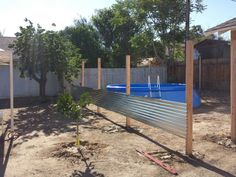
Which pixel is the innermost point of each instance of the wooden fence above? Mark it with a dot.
(117, 76)
(215, 74)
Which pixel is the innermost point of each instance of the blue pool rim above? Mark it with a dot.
(168, 91)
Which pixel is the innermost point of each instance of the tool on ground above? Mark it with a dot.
(157, 161)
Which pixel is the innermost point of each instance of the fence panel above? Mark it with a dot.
(167, 115)
(117, 76)
(215, 74)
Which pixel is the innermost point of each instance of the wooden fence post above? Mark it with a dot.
(189, 95)
(99, 80)
(233, 86)
(82, 74)
(128, 121)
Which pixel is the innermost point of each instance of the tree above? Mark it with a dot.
(72, 109)
(144, 28)
(64, 58)
(84, 36)
(196, 33)
(165, 19)
(40, 51)
(116, 28)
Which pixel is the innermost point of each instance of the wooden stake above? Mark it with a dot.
(11, 93)
(82, 74)
(233, 86)
(99, 80)
(189, 95)
(128, 121)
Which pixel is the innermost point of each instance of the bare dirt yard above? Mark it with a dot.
(44, 144)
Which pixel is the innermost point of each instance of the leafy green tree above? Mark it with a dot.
(116, 28)
(40, 51)
(165, 19)
(72, 109)
(144, 28)
(64, 58)
(84, 36)
(196, 33)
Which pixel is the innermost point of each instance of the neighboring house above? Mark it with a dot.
(213, 49)
(146, 62)
(5, 42)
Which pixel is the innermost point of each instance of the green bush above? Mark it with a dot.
(69, 108)
(85, 99)
(64, 104)
(75, 112)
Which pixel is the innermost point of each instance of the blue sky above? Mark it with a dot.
(63, 12)
(217, 12)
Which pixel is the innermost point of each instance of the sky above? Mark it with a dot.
(64, 12)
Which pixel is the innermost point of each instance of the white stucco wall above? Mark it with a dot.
(24, 87)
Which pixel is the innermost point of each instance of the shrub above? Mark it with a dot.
(69, 108)
(85, 99)
(64, 104)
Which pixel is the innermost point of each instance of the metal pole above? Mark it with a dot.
(187, 24)
(187, 19)
(11, 93)
(82, 74)
(99, 80)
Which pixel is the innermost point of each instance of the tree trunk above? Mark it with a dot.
(42, 89)
(61, 84)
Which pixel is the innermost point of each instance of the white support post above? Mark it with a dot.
(82, 74)
(11, 93)
(99, 80)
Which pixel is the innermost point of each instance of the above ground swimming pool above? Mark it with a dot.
(170, 91)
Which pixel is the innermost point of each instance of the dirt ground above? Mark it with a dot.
(44, 145)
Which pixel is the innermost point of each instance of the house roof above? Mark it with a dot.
(5, 51)
(211, 42)
(223, 27)
(5, 57)
(5, 41)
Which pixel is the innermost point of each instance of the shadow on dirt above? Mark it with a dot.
(32, 120)
(89, 171)
(217, 101)
(21, 102)
(5, 150)
(194, 161)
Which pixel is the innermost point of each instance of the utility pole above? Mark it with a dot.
(187, 22)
